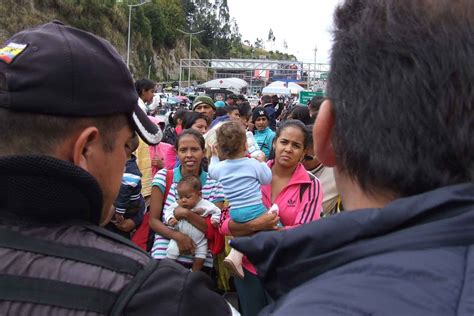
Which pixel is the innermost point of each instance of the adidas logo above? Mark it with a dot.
(291, 203)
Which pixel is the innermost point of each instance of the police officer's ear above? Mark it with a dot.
(86, 146)
(322, 135)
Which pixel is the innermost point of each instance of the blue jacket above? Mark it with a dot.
(413, 257)
(264, 140)
(270, 109)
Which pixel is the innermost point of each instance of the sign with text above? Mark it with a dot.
(306, 96)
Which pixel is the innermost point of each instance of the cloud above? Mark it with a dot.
(304, 25)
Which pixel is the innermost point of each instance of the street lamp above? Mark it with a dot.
(315, 64)
(190, 39)
(130, 6)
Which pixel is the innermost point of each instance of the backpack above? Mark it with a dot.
(144, 236)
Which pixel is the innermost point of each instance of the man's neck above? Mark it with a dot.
(354, 198)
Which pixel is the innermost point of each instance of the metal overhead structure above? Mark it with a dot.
(190, 43)
(312, 70)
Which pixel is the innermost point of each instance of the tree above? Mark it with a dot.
(258, 43)
(174, 18)
(157, 22)
(271, 36)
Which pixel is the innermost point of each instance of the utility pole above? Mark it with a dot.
(190, 43)
(315, 64)
(130, 6)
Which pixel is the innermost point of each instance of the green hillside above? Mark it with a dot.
(156, 44)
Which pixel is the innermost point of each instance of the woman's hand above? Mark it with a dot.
(186, 245)
(267, 221)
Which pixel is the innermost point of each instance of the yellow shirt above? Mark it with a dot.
(144, 164)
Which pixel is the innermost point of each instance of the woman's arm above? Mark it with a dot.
(185, 243)
(268, 221)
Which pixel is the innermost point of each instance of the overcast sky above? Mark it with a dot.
(304, 24)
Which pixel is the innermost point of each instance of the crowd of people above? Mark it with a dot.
(360, 203)
(250, 162)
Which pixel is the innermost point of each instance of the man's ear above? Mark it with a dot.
(322, 135)
(84, 146)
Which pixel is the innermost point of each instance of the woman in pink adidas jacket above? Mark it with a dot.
(298, 195)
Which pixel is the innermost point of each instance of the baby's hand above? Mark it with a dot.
(214, 150)
(172, 221)
(118, 218)
(261, 157)
(199, 210)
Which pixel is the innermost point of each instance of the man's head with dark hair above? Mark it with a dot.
(204, 104)
(266, 99)
(314, 106)
(233, 112)
(275, 99)
(232, 99)
(68, 95)
(399, 115)
(245, 111)
(241, 99)
(30, 134)
(300, 113)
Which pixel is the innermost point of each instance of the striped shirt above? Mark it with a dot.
(211, 191)
(130, 197)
